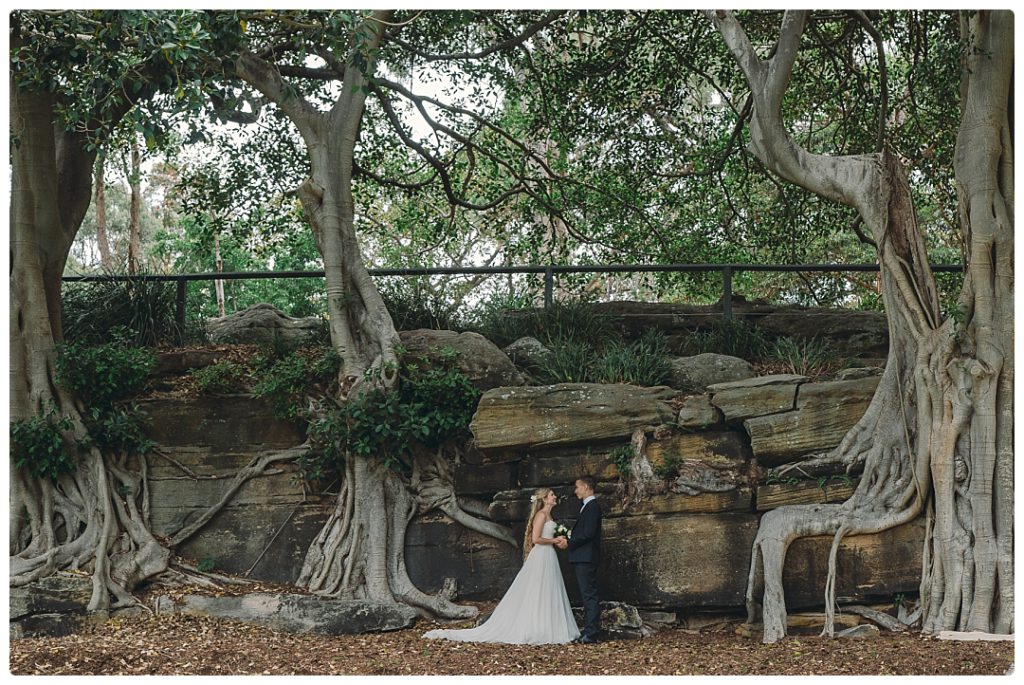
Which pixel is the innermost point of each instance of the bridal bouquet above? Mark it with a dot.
(562, 532)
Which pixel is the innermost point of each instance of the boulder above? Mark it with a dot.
(856, 372)
(851, 333)
(702, 370)
(528, 353)
(480, 360)
(303, 613)
(51, 606)
(824, 413)
(535, 417)
(697, 412)
(483, 567)
(619, 621)
(264, 324)
(758, 396)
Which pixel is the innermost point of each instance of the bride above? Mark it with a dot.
(535, 609)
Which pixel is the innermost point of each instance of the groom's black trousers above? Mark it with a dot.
(586, 576)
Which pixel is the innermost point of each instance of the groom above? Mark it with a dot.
(584, 554)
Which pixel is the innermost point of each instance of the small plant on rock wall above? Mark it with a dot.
(668, 467)
(220, 378)
(622, 457)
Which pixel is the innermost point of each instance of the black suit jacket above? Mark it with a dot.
(585, 541)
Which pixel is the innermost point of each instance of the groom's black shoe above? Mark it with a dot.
(588, 640)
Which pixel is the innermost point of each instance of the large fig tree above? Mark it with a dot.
(937, 438)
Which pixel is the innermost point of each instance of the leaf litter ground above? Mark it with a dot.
(174, 644)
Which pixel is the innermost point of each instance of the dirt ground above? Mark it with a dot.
(183, 645)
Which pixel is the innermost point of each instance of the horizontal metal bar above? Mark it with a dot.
(473, 270)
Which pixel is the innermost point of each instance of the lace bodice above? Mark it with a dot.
(548, 531)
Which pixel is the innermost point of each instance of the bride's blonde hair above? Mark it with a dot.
(536, 504)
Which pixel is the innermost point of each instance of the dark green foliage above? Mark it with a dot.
(412, 307)
(571, 361)
(288, 381)
(101, 375)
(733, 337)
(146, 309)
(38, 445)
(118, 429)
(642, 362)
(432, 404)
(809, 357)
(220, 378)
(622, 457)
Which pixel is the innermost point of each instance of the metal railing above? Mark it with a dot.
(549, 272)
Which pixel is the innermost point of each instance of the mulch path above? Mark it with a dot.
(172, 644)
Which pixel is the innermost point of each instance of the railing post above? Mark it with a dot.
(179, 312)
(727, 293)
(549, 287)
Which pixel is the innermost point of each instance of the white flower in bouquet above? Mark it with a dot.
(562, 532)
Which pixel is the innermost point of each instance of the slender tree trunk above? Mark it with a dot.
(106, 261)
(219, 267)
(936, 435)
(134, 231)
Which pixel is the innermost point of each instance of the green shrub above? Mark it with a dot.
(571, 361)
(412, 307)
(430, 406)
(220, 378)
(503, 322)
(733, 337)
(622, 457)
(38, 445)
(145, 308)
(118, 429)
(100, 375)
(643, 362)
(809, 357)
(287, 382)
(103, 377)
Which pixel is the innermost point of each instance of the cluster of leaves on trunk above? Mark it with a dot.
(37, 445)
(106, 377)
(288, 381)
(433, 404)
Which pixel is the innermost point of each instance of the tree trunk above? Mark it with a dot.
(134, 237)
(218, 284)
(80, 520)
(106, 261)
(360, 552)
(937, 432)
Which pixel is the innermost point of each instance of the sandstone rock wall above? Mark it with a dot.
(685, 544)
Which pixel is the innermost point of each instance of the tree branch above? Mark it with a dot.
(513, 42)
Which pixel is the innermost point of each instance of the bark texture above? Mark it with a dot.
(947, 380)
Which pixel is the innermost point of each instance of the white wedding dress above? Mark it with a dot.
(535, 610)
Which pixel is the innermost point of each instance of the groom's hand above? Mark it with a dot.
(561, 543)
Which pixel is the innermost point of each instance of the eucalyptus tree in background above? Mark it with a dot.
(937, 438)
